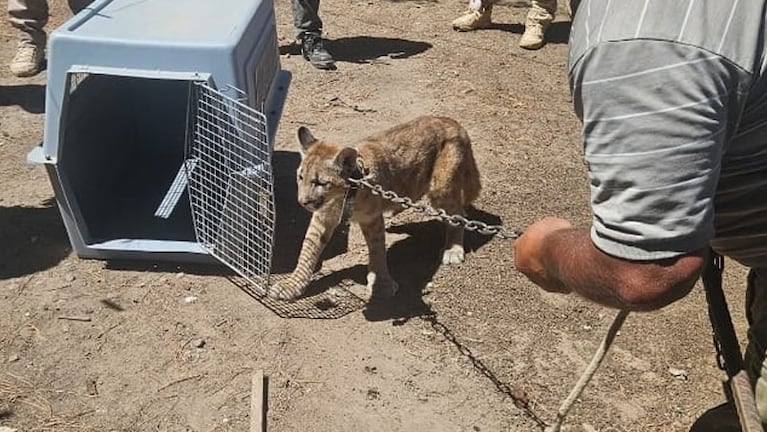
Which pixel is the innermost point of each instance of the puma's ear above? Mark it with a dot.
(305, 138)
(346, 161)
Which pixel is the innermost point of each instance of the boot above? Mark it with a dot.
(313, 49)
(28, 60)
(474, 19)
(538, 20)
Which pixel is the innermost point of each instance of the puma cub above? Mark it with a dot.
(427, 156)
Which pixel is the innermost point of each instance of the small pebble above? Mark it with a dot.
(678, 373)
(71, 278)
(198, 343)
(190, 299)
(13, 358)
(373, 394)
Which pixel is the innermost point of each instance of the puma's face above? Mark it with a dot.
(324, 168)
(318, 182)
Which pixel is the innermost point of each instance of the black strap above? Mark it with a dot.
(351, 195)
(729, 358)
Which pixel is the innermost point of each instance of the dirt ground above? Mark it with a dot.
(173, 348)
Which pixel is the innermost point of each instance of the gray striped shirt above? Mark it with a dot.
(673, 99)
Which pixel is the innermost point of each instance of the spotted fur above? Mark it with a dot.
(429, 156)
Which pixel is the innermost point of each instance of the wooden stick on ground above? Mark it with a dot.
(257, 407)
(591, 369)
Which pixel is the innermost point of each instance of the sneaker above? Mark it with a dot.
(473, 20)
(28, 60)
(312, 49)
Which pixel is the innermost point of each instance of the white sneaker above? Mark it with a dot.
(28, 60)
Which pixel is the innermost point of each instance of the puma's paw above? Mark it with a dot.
(287, 289)
(382, 287)
(454, 255)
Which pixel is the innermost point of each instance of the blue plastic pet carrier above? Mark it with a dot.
(160, 119)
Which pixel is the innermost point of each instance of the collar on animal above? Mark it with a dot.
(358, 174)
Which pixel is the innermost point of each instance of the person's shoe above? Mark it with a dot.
(533, 37)
(313, 49)
(473, 20)
(28, 60)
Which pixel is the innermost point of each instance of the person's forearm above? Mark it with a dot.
(570, 258)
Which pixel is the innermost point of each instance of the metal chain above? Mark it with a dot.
(456, 220)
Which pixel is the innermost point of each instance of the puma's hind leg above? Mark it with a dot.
(449, 198)
(454, 185)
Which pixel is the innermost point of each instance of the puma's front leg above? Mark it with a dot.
(380, 282)
(318, 235)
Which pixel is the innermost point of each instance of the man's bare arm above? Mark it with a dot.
(561, 258)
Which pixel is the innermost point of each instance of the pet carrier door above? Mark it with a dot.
(229, 174)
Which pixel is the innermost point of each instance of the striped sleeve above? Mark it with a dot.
(655, 120)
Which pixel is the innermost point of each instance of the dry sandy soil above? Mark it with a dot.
(459, 349)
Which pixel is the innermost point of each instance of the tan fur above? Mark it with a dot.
(428, 156)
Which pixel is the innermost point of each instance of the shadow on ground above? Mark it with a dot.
(413, 261)
(32, 238)
(30, 97)
(363, 49)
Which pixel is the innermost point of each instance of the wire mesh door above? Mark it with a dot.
(229, 172)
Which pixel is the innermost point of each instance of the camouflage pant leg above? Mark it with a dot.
(542, 12)
(29, 17)
(481, 5)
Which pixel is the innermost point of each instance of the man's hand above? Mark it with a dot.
(529, 256)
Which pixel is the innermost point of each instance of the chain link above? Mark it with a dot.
(456, 220)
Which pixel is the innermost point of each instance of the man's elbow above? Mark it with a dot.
(657, 286)
(653, 297)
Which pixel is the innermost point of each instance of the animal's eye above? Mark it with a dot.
(319, 183)
(300, 177)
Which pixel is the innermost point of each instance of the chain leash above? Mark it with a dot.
(455, 220)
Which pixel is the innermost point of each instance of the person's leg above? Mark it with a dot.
(572, 6)
(756, 310)
(539, 17)
(77, 5)
(308, 29)
(29, 17)
(306, 18)
(478, 16)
